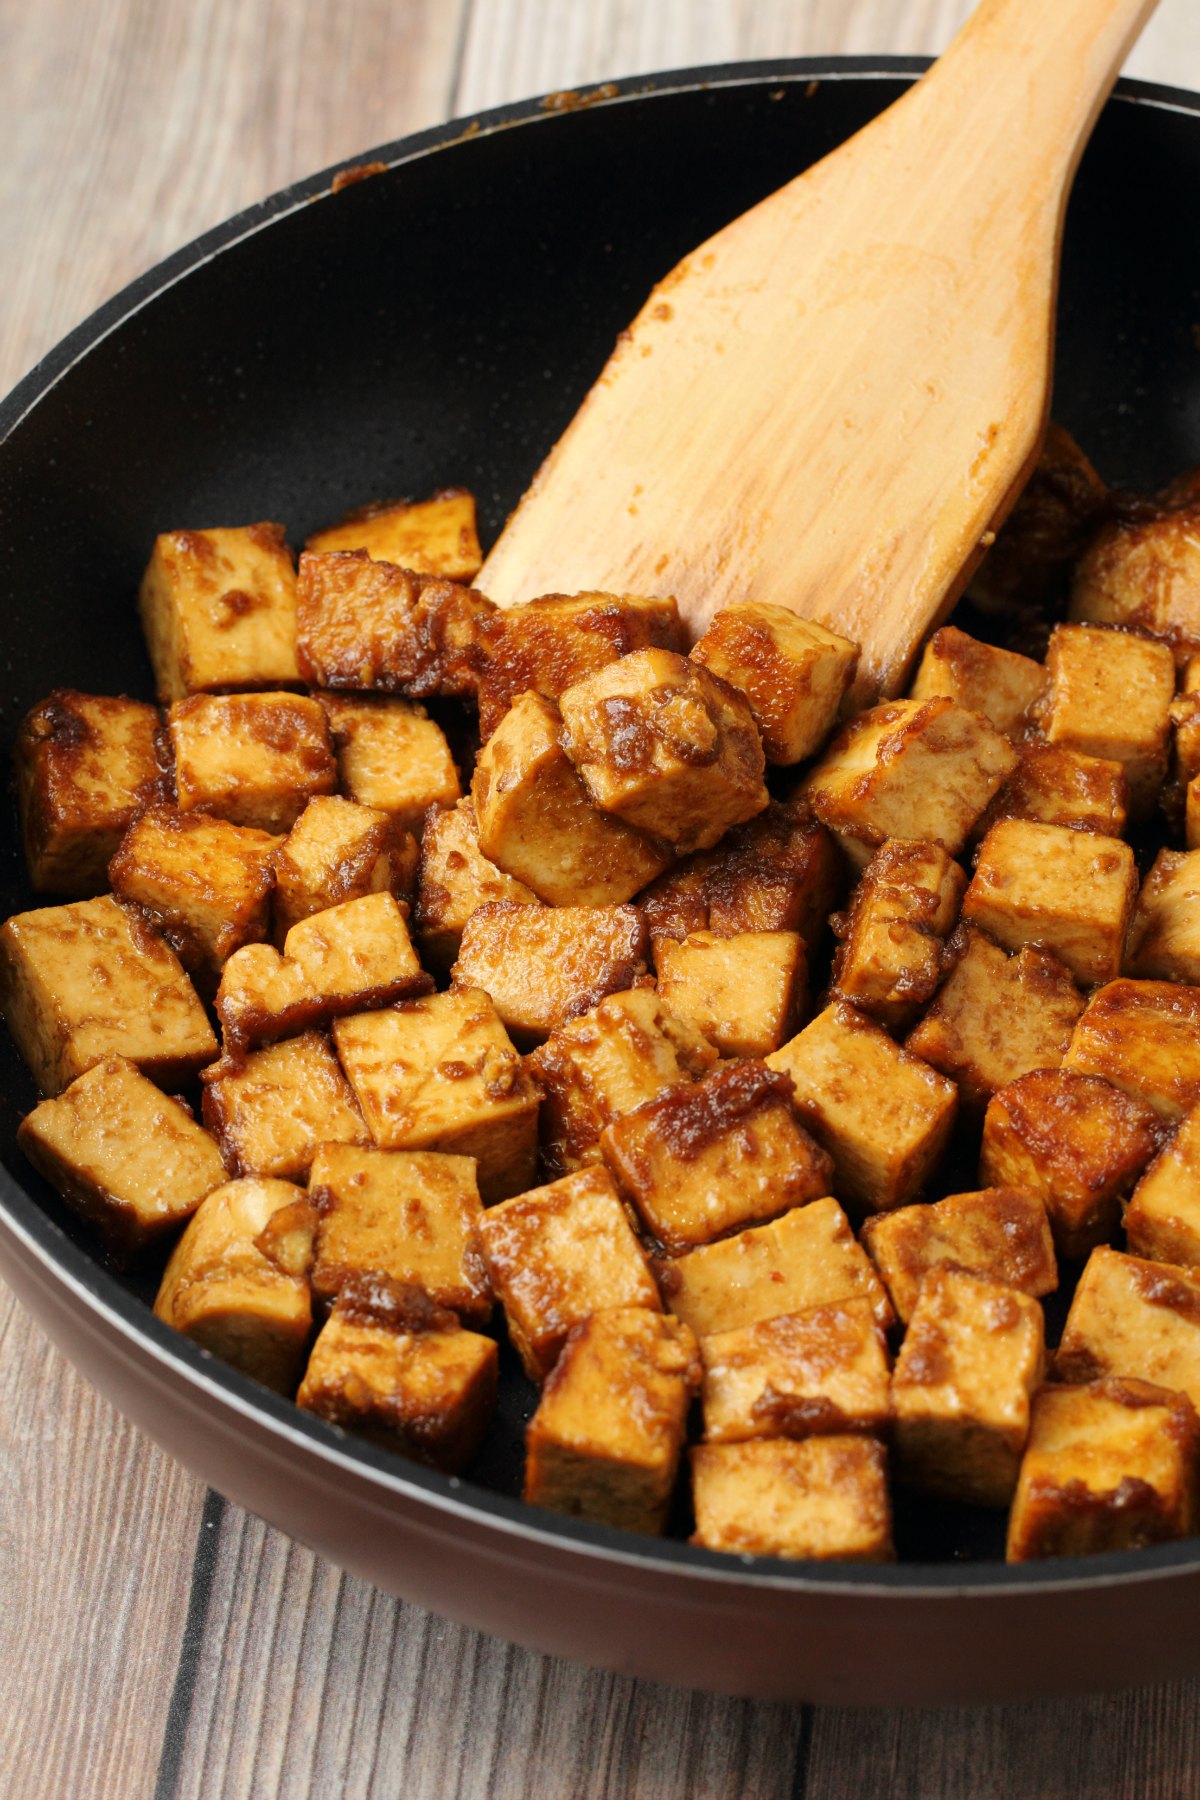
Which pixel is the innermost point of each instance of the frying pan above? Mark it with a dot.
(438, 323)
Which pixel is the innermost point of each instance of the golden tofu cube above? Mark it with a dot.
(792, 671)
(1110, 695)
(890, 957)
(1110, 1466)
(1144, 1037)
(364, 624)
(84, 764)
(720, 1154)
(883, 1115)
(1069, 892)
(254, 759)
(809, 1257)
(543, 965)
(272, 1111)
(604, 1443)
(537, 823)
(1164, 938)
(338, 850)
(1133, 1318)
(817, 1499)
(262, 997)
(558, 1254)
(219, 610)
(223, 1290)
(411, 1215)
(454, 879)
(1162, 1220)
(437, 536)
(999, 1234)
(996, 1017)
(1185, 720)
(547, 645)
(920, 769)
(972, 1358)
(130, 1161)
(1055, 518)
(1192, 814)
(92, 979)
(1143, 570)
(392, 756)
(797, 1375)
(746, 994)
(997, 683)
(358, 955)
(441, 1073)
(666, 747)
(1062, 787)
(402, 1373)
(606, 1062)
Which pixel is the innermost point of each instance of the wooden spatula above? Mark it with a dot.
(834, 401)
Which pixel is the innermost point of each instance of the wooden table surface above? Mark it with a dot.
(155, 1640)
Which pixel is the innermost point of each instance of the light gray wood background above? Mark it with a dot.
(154, 1641)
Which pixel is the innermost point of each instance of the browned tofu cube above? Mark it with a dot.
(403, 1373)
(996, 1017)
(84, 764)
(130, 1161)
(219, 610)
(391, 756)
(911, 769)
(883, 1115)
(605, 1440)
(819, 1498)
(412, 1215)
(558, 1254)
(746, 994)
(1110, 695)
(1069, 892)
(1185, 720)
(262, 997)
(254, 759)
(665, 746)
(1144, 1037)
(441, 1073)
(338, 850)
(972, 1358)
(358, 955)
(1110, 1466)
(793, 672)
(537, 823)
(710, 1158)
(369, 625)
(1056, 515)
(1143, 571)
(595, 1068)
(809, 1257)
(797, 1375)
(547, 645)
(82, 982)
(1164, 937)
(997, 683)
(224, 1291)
(1162, 1220)
(1192, 814)
(205, 884)
(999, 1234)
(1133, 1318)
(890, 957)
(433, 537)
(272, 1111)
(454, 879)
(1061, 787)
(543, 965)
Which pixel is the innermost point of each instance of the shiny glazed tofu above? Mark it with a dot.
(338, 850)
(1069, 892)
(819, 1498)
(1164, 938)
(543, 965)
(999, 1234)
(434, 537)
(1110, 696)
(746, 994)
(454, 879)
(1133, 1318)
(981, 677)
(1062, 787)
(792, 671)
(802, 1373)
(890, 955)
(271, 1111)
(1144, 1037)
(365, 625)
(1144, 571)
(219, 610)
(1162, 1220)
(391, 756)
(254, 759)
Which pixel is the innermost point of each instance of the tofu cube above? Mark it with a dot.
(437, 536)
(817, 1499)
(984, 679)
(1133, 1318)
(605, 1441)
(410, 1215)
(272, 1111)
(1143, 571)
(998, 1234)
(262, 997)
(972, 1358)
(219, 610)
(809, 1257)
(665, 746)
(1061, 787)
(1162, 1220)
(710, 1158)
(797, 1375)
(454, 879)
(793, 672)
(1110, 1466)
(440, 1073)
(223, 1290)
(391, 756)
(920, 769)
(996, 1017)
(558, 1254)
(357, 955)
(92, 979)
(1164, 938)
(1110, 695)
(883, 1115)
(338, 850)
(543, 965)
(537, 823)
(1056, 515)
(1185, 720)
(1069, 892)
(254, 759)
(746, 994)
(889, 959)
(130, 1161)
(84, 764)
(369, 625)
(1192, 814)
(1144, 1037)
